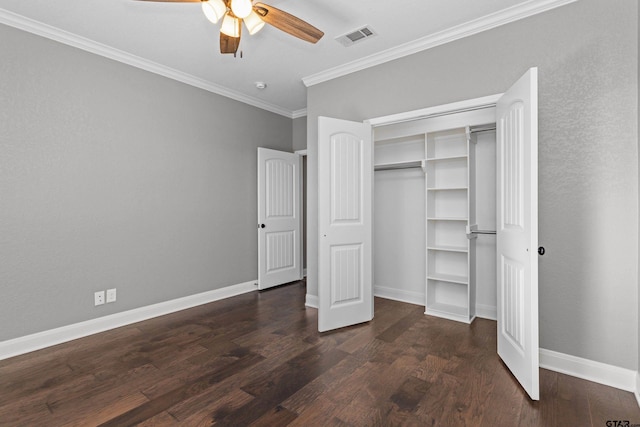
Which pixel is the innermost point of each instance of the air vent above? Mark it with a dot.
(356, 36)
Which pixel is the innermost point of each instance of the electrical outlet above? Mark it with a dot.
(98, 298)
(111, 295)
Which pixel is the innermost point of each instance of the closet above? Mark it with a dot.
(428, 238)
(434, 215)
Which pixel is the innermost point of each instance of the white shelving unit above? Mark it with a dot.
(450, 291)
(442, 162)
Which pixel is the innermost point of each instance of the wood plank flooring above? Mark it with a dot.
(257, 359)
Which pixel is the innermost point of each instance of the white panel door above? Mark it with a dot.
(517, 230)
(279, 219)
(345, 192)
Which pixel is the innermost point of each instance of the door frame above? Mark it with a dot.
(484, 102)
(266, 280)
(303, 208)
(439, 110)
(489, 101)
(439, 113)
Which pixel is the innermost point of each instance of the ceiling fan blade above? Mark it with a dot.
(229, 44)
(288, 23)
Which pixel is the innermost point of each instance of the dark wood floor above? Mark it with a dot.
(257, 359)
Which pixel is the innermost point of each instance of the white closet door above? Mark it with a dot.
(279, 220)
(345, 192)
(517, 230)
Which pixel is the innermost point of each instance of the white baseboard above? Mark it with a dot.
(410, 297)
(602, 373)
(311, 301)
(637, 390)
(487, 311)
(37, 341)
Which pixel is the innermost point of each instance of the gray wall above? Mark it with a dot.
(299, 133)
(587, 54)
(111, 176)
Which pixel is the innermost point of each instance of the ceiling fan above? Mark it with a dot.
(234, 12)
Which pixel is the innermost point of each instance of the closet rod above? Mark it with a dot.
(482, 232)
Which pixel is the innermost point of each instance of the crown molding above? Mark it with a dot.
(41, 29)
(299, 113)
(505, 16)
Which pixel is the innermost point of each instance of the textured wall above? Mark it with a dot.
(299, 133)
(114, 177)
(587, 54)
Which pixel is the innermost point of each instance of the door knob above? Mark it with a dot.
(541, 250)
(262, 226)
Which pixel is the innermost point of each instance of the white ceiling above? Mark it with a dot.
(176, 40)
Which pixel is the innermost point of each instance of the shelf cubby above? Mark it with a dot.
(447, 173)
(447, 203)
(448, 265)
(448, 299)
(449, 234)
(447, 144)
(400, 150)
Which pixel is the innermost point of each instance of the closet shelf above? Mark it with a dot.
(437, 159)
(398, 165)
(451, 278)
(447, 188)
(432, 218)
(447, 248)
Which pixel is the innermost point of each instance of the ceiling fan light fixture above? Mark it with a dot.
(253, 23)
(214, 10)
(230, 26)
(241, 8)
